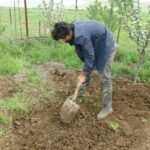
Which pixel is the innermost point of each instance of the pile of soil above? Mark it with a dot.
(42, 129)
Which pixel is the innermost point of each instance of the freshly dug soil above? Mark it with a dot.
(42, 129)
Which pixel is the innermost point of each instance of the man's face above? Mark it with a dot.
(67, 38)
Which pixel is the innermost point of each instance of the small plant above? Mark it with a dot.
(114, 126)
(145, 120)
(85, 100)
(88, 101)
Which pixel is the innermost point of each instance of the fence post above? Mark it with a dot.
(15, 17)
(26, 17)
(10, 18)
(20, 18)
(44, 29)
(76, 8)
(39, 27)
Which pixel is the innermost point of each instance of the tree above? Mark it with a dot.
(138, 30)
(122, 7)
(53, 12)
(104, 14)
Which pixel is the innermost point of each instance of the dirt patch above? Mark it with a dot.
(42, 128)
(7, 86)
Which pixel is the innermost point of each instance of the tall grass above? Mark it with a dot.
(18, 103)
(14, 58)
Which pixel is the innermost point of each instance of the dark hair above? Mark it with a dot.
(60, 30)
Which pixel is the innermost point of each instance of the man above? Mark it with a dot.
(95, 46)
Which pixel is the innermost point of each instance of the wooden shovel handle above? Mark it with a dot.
(75, 95)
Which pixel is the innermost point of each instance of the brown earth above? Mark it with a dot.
(7, 86)
(42, 129)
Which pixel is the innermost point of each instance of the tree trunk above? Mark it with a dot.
(119, 30)
(139, 66)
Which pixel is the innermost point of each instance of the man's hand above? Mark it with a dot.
(82, 78)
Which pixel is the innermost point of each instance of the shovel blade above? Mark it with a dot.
(68, 111)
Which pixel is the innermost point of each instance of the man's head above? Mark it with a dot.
(62, 31)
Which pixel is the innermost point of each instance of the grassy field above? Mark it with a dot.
(13, 57)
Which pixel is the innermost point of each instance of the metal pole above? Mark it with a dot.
(39, 27)
(44, 29)
(10, 18)
(15, 17)
(20, 18)
(76, 8)
(26, 17)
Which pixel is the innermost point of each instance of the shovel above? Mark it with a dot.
(70, 108)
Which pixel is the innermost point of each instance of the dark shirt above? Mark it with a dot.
(93, 43)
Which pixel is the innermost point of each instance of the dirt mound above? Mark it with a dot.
(42, 128)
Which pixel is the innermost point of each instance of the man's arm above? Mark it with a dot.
(89, 58)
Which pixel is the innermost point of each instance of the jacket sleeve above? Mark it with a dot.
(79, 52)
(89, 55)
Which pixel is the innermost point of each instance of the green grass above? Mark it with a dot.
(127, 56)
(118, 68)
(70, 15)
(13, 58)
(5, 119)
(34, 78)
(18, 103)
(10, 65)
(89, 102)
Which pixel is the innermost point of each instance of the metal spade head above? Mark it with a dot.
(68, 110)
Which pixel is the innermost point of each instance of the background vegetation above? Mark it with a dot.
(13, 57)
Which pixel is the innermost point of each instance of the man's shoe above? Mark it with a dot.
(104, 113)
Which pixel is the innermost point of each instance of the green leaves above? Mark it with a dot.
(53, 12)
(104, 14)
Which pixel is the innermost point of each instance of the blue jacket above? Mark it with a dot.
(93, 44)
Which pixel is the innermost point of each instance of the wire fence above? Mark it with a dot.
(22, 22)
